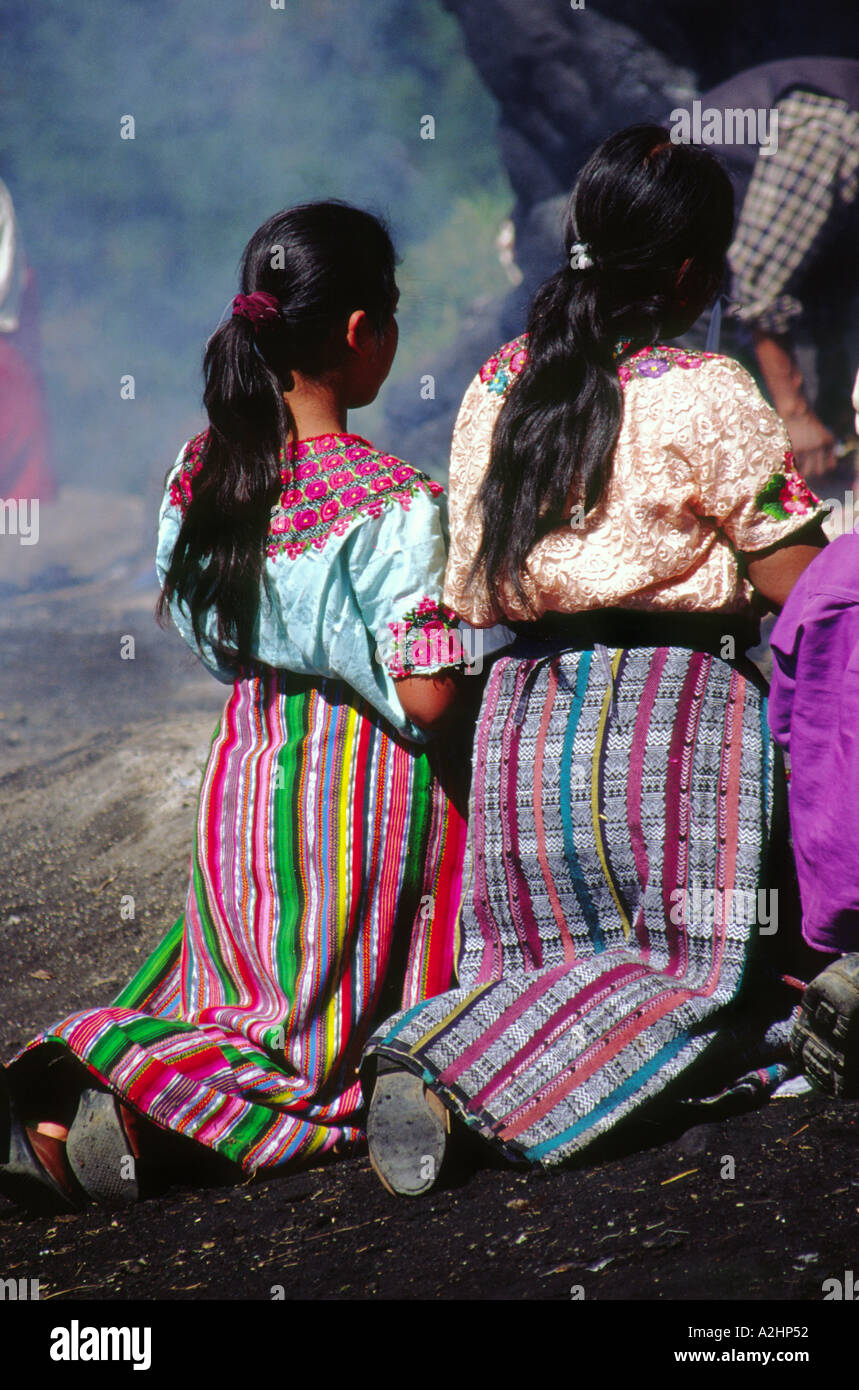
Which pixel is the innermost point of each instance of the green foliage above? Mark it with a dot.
(239, 109)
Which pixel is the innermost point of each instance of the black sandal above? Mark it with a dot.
(24, 1179)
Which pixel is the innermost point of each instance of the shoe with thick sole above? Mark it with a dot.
(99, 1152)
(825, 1038)
(407, 1131)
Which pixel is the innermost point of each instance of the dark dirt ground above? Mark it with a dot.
(660, 1225)
(99, 764)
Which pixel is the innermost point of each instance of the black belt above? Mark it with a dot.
(624, 627)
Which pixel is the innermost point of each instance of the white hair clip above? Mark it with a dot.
(580, 256)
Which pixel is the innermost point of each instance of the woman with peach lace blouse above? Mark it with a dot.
(629, 508)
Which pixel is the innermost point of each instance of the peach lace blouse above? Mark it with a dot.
(703, 470)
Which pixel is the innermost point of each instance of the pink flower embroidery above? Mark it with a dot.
(426, 636)
(299, 451)
(436, 646)
(489, 369)
(796, 496)
(336, 497)
(518, 360)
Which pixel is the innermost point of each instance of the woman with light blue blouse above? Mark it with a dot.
(306, 567)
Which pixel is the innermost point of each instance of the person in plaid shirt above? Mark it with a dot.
(794, 312)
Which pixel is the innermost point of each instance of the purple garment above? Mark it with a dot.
(814, 715)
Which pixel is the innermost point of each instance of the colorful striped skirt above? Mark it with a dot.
(616, 897)
(325, 881)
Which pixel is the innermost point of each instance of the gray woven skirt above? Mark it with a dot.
(618, 891)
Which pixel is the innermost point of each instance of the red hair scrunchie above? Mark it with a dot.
(258, 307)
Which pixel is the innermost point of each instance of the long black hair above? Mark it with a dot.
(322, 261)
(643, 207)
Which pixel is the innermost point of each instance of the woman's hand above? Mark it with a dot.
(812, 443)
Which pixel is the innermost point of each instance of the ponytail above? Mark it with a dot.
(319, 262)
(234, 491)
(643, 208)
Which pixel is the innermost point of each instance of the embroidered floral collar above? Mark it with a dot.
(648, 361)
(327, 482)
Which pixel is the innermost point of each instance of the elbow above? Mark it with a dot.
(428, 701)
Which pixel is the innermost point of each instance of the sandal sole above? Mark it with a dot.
(99, 1152)
(407, 1130)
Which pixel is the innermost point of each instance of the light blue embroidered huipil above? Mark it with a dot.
(355, 559)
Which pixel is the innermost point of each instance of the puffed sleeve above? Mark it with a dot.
(739, 454)
(396, 566)
(169, 525)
